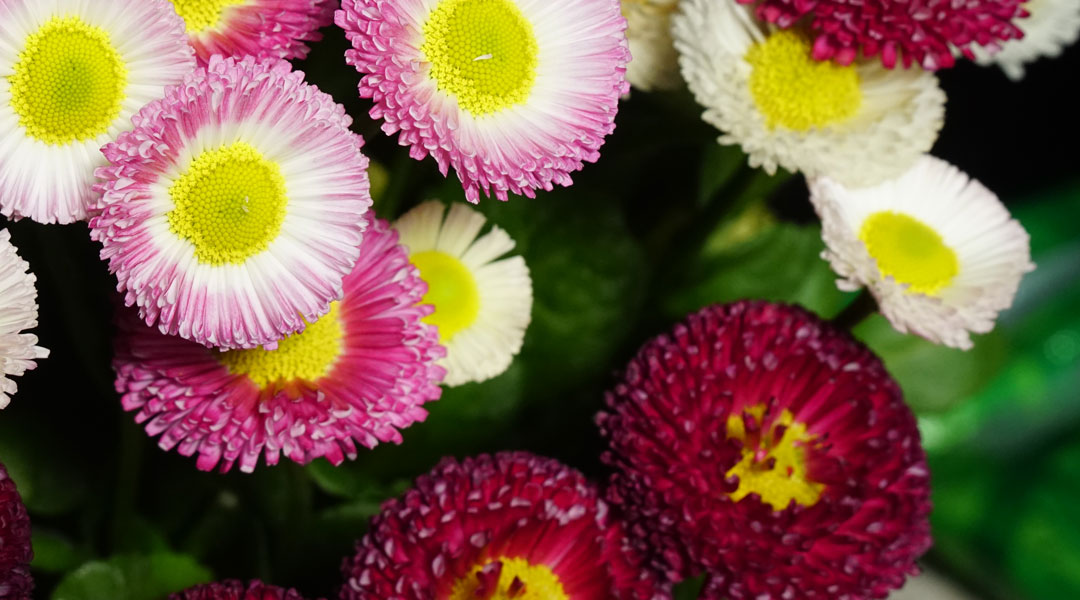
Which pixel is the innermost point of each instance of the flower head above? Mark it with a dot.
(513, 94)
(756, 443)
(761, 87)
(355, 376)
(483, 303)
(72, 73)
(938, 251)
(15, 552)
(237, 590)
(234, 209)
(920, 33)
(18, 306)
(512, 525)
(260, 28)
(1052, 26)
(655, 64)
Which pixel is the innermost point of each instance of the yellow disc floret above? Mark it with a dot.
(452, 290)
(68, 83)
(794, 91)
(200, 15)
(306, 356)
(229, 203)
(518, 580)
(482, 52)
(909, 251)
(773, 467)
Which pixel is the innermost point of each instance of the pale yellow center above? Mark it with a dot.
(517, 580)
(773, 463)
(200, 15)
(909, 251)
(305, 356)
(452, 290)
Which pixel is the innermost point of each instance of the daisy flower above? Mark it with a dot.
(15, 552)
(1052, 26)
(18, 311)
(237, 590)
(771, 451)
(938, 251)
(512, 525)
(232, 211)
(920, 33)
(355, 376)
(760, 86)
(483, 303)
(71, 75)
(260, 28)
(513, 94)
(655, 64)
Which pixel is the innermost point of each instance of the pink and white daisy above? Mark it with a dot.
(355, 376)
(72, 73)
(18, 312)
(513, 94)
(234, 209)
(260, 28)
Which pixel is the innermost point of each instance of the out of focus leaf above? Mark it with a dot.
(47, 470)
(689, 589)
(53, 552)
(131, 577)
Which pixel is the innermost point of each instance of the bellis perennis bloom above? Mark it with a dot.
(1053, 26)
(15, 552)
(237, 590)
(18, 312)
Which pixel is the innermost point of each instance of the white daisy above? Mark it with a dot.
(72, 73)
(938, 250)
(18, 311)
(1052, 26)
(483, 303)
(860, 124)
(654, 64)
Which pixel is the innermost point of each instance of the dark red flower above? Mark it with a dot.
(512, 525)
(237, 590)
(762, 446)
(914, 31)
(15, 552)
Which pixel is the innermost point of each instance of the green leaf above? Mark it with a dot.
(689, 589)
(131, 577)
(54, 552)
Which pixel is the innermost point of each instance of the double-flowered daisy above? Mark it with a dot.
(509, 526)
(15, 552)
(860, 123)
(237, 590)
(18, 312)
(234, 209)
(483, 303)
(1052, 26)
(654, 64)
(771, 451)
(513, 94)
(938, 250)
(260, 28)
(354, 377)
(898, 31)
(72, 73)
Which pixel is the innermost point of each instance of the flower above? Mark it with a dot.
(771, 451)
(18, 309)
(15, 551)
(71, 75)
(938, 251)
(655, 64)
(355, 376)
(1051, 27)
(513, 94)
(922, 33)
(861, 123)
(237, 590)
(232, 211)
(260, 28)
(512, 525)
(483, 303)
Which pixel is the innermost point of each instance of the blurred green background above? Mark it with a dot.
(665, 223)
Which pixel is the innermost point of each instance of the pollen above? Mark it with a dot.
(229, 204)
(509, 579)
(68, 82)
(773, 463)
(452, 290)
(909, 251)
(200, 15)
(482, 52)
(796, 92)
(305, 356)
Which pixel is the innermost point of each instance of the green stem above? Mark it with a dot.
(857, 311)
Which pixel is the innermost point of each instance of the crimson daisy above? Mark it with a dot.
(15, 552)
(237, 590)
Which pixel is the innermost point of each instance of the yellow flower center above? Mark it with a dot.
(452, 290)
(794, 91)
(68, 82)
(482, 52)
(200, 15)
(773, 463)
(307, 355)
(513, 579)
(909, 251)
(229, 204)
